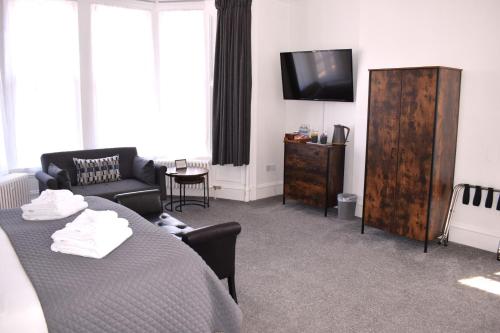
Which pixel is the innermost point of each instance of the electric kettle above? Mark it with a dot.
(339, 135)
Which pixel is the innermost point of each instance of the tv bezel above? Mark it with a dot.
(316, 99)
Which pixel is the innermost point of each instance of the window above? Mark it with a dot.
(158, 104)
(146, 66)
(126, 108)
(4, 167)
(184, 82)
(42, 77)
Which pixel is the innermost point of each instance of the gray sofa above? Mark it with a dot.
(131, 178)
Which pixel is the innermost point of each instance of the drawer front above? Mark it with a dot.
(305, 173)
(306, 192)
(306, 157)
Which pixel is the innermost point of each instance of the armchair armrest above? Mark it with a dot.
(216, 245)
(160, 171)
(46, 181)
(142, 202)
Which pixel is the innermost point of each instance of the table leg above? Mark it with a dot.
(171, 194)
(204, 193)
(180, 197)
(184, 194)
(208, 193)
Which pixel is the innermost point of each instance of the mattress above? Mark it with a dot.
(153, 282)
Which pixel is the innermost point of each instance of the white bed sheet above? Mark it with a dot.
(20, 308)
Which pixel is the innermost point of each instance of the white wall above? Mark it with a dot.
(317, 25)
(397, 33)
(271, 36)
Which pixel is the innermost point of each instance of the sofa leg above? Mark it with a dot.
(232, 289)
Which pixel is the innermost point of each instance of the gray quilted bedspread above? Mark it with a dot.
(151, 283)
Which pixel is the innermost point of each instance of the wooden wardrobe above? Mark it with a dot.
(410, 149)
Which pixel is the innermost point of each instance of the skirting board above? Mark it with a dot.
(223, 193)
(262, 191)
(359, 209)
(267, 190)
(464, 235)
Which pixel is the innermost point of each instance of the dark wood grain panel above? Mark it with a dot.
(306, 157)
(313, 174)
(336, 178)
(426, 131)
(381, 150)
(416, 137)
(445, 145)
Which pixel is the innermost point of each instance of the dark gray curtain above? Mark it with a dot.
(232, 83)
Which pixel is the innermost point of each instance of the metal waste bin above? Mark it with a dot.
(347, 205)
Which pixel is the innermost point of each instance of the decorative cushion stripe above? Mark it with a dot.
(96, 171)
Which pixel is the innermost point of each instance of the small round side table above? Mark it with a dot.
(188, 176)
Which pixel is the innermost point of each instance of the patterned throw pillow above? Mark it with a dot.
(99, 170)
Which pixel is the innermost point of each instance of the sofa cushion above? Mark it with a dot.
(64, 160)
(109, 190)
(60, 175)
(144, 170)
(97, 170)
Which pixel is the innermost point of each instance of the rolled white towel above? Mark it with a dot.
(94, 232)
(62, 209)
(53, 205)
(91, 217)
(51, 196)
(90, 220)
(93, 250)
(54, 195)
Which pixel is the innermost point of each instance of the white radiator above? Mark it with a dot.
(16, 190)
(195, 164)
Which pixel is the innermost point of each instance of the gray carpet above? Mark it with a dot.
(298, 271)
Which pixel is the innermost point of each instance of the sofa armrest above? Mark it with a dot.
(46, 181)
(161, 171)
(216, 244)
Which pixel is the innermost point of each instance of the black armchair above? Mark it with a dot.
(216, 244)
(145, 203)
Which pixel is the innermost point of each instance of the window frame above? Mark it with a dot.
(209, 12)
(87, 89)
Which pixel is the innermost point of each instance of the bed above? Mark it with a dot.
(151, 283)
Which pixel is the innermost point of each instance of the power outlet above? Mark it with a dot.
(271, 167)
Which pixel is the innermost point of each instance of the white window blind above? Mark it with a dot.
(184, 82)
(126, 108)
(4, 167)
(42, 79)
(150, 73)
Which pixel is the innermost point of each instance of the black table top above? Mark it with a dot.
(187, 172)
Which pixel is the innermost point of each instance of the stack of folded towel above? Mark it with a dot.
(92, 234)
(53, 205)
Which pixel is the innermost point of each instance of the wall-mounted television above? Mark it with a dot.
(318, 75)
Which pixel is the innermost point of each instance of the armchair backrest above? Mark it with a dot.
(64, 160)
(216, 244)
(146, 203)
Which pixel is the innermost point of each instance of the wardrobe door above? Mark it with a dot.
(416, 139)
(381, 150)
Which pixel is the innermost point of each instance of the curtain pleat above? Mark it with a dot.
(232, 83)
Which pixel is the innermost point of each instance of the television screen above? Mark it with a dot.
(318, 75)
